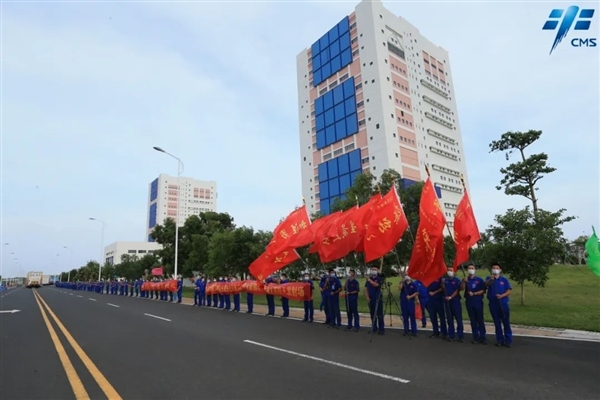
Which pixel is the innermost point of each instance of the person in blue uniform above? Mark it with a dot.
(374, 296)
(142, 291)
(179, 289)
(453, 307)
(197, 284)
(236, 298)
(270, 298)
(202, 298)
(208, 296)
(138, 283)
(309, 307)
(285, 302)
(423, 300)
(474, 288)
(324, 288)
(408, 299)
(250, 299)
(352, 289)
(122, 287)
(131, 288)
(335, 288)
(498, 291)
(215, 297)
(227, 297)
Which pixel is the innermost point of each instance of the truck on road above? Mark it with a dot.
(34, 279)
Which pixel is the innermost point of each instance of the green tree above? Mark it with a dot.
(526, 244)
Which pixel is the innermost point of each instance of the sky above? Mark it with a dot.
(89, 88)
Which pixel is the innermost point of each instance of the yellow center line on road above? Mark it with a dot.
(72, 376)
(100, 379)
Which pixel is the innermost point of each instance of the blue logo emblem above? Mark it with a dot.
(566, 18)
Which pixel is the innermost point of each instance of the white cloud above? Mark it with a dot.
(88, 89)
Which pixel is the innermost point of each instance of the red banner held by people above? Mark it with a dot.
(169, 286)
(296, 291)
(466, 231)
(254, 287)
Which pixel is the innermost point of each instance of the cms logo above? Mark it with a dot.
(563, 20)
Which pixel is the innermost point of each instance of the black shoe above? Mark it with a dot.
(381, 333)
(483, 342)
(304, 320)
(434, 336)
(248, 312)
(508, 345)
(413, 335)
(423, 325)
(450, 339)
(405, 334)
(499, 344)
(475, 342)
(310, 320)
(460, 340)
(347, 329)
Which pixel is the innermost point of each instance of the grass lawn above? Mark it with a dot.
(571, 299)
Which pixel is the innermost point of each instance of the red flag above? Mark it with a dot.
(265, 265)
(363, 218)
(293, 232)
(386, 226)
(157, 271)
(320, 229)
(427, 259)
(466, 232)
(335, 244)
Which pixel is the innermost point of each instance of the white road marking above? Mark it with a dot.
(157, 317)
(9, 311)
(79, 296)
(92, 299)
(113, 305)
(71, 294)
(336, 364)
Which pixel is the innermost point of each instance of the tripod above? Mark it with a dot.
(391, 304)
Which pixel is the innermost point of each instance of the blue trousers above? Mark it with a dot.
(285, 306)
(179, 294)
(501, 316)
(408, 316)
(475, 312)
(376, 311)
(236, 302)
(454, 313)
(327, 308)
(227, 301)
(250, 302)
(202, 298)
(270, 305)
(196, 297)
(352, 312)
(309, 310)
(215, 300)
(208, 301)
(435, 308)
(221, 301)
(423, 304)
(336, 314)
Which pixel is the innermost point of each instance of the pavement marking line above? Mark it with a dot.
(113, 305)
(79, 296)
(100, 379)
(336, 364)
(72, 376)
(92, 299)
(157, 317)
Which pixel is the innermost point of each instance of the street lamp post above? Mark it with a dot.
(70, 261)
(101, 247)
(180, 167)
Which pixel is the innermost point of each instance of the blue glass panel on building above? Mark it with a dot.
(319, 107)
(344, 183)
(152, 216)
(332, 168)
(353, 175)
(344, 41)
(320, 122)
(333, 34)
(324, 190)
(438, 191)
(323, 176)
(329, 117)
(351, 124)
(346, 57)
(324, 59)
(407, 182)
(316, 63)
(350, 105)
(343, 164)
(349, 88)
(336, 64)
(150, 238)
(324, 42)
(315, 48)
(339, 112)
(326, 71)
(328, 100)
(330, 135)
(340, 130)
(154, 190)
(334, 49)
(325, 208)
(344, 25)
(321, 142)
(317, 77)
(334, 187)
(338, 95)
(355, 163)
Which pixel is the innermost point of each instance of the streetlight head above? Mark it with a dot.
(159, 149)
(92, 219)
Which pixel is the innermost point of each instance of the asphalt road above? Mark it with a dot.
(141, 349)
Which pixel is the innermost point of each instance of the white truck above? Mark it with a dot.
(46, 280)
(34, 279)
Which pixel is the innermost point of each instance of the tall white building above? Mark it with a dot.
(194, 198)
(373, 94)
(114, 251)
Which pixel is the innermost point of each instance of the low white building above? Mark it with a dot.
(114, 251)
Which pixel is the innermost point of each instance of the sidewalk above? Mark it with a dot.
(396, 323)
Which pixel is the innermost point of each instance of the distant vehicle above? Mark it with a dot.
(45, 280)
(34, 279)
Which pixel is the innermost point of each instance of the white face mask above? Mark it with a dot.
(306, 278)
(495, 271)
(450, 274)
(471, 272)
